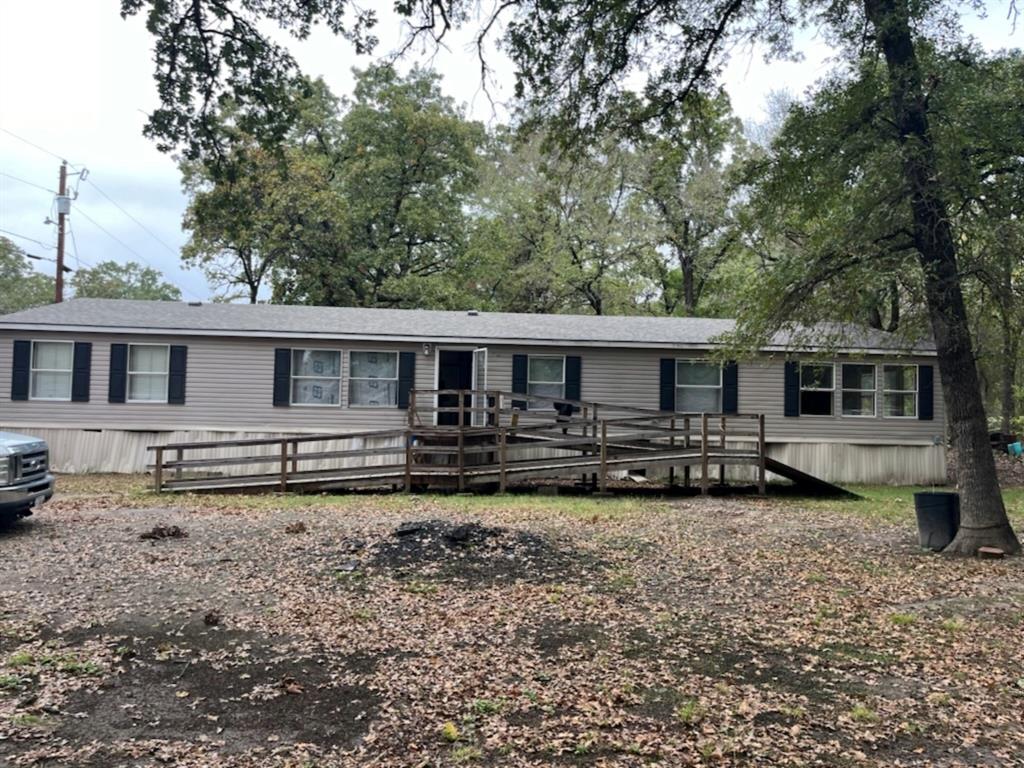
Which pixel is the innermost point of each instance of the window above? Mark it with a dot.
(858, 390)
(147, 373)
(698, 387)
(817, 389)
(373, 379)
(316, 377)
(899, 391)
(51, 370)
(546, 376)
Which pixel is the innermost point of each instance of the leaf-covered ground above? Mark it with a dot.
(505, 631)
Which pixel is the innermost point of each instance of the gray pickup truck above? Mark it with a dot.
(25, 479)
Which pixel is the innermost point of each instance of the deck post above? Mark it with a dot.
(604, 457)
(158, 470)
(502, 460)
(408, 461)
(593, 475)
(462, 409)
(585, 433)
(721, 467)
(179, 454)
(687, 443)
(496, 396)
(295, 457)
(761, 481)
(672, 445)
(462, 455)
(412, 409)
(704, 454)
(284, 466)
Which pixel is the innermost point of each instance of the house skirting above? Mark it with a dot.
(75, 450)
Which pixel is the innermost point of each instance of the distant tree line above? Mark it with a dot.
(395, 199)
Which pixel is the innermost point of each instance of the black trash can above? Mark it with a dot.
(938, 518)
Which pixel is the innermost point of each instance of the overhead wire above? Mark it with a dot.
(78, 209)
(29, 183)
(44, 150)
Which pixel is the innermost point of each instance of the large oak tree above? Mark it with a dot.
(571, 60)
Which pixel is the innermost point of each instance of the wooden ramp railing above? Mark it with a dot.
(496, 437)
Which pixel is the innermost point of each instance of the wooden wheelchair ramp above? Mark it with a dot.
(496, 440)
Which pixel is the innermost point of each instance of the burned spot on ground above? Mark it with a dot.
(469, 553)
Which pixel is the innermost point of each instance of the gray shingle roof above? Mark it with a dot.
(407, 324)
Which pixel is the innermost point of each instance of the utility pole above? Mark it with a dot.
(63, 207)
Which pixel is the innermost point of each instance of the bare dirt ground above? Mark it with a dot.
(506, 631)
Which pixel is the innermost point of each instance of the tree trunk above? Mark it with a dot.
(686, 264)
(983, 514)
(1009, 373)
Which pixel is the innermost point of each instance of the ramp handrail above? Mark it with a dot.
(587, 434)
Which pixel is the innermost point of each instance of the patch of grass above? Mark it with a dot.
(73, 666)
(585, 744)
(450, 732)
(797, 713)
(690, 712)
(485, 707)
(466, 754)
(954, 624)
(902, 619)
(20, 659)
(11, 682)
(895, 504)
(620, 580)
(863, 714)
(25, 720)
(420, 587)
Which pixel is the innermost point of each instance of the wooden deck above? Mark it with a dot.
(495, 442)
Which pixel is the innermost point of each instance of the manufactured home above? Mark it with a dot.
(103, 380)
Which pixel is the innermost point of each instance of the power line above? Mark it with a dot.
(30, 239)
(141, 226)
(119, 241)
(44, 150)
(29, 183)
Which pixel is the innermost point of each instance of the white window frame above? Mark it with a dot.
(351, 378)
(32, 370)
(129, 373)
(843, 390)
(916, 391)
(832, 389)
(292, 377)
(529, 381)
(721, 380)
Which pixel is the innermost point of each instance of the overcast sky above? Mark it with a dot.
(76, 80)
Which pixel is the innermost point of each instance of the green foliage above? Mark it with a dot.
(557, 233)
(21, 286)
(110, 280)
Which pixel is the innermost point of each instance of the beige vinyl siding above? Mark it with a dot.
(229, 386)
(631, 377)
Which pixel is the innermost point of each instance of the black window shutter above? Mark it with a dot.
(81, 369)
(926, 392)
(20, 369)
(730, 388)
(520, 367)
(282, 377)
(667, 384)
(406, 377)
(792, 388)
(118, 384)
(573, 373)
(176, 379)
